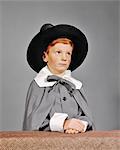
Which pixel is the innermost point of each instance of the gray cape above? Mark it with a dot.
(40, 101)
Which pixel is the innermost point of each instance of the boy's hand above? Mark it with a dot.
(71, 131)
(74, 124)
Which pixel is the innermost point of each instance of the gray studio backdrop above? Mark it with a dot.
(20, 21)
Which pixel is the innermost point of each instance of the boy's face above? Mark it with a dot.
(58, 57)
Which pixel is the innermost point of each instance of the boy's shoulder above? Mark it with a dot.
(34, 88)
(77, 83)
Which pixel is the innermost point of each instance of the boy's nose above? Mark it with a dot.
(64, 57)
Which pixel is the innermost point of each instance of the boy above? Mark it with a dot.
(55, 100)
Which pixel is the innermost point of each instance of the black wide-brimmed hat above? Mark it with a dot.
(47, 34)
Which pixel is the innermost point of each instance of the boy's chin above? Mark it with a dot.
(62, 67)
(58, 70)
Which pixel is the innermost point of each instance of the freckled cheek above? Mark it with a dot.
(55, 60)
(69, 59)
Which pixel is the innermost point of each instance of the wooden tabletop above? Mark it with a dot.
(7, 134)
(41, 140)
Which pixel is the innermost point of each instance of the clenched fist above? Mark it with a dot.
(73, 126)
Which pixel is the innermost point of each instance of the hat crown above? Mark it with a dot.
(45, 27)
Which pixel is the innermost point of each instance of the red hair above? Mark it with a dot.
(61, 40)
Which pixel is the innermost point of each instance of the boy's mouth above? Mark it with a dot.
(62, 64)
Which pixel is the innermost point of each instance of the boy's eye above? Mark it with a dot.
(58, 52)
(69, 53)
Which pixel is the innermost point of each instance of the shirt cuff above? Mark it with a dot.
(85, 124)
(57, 122)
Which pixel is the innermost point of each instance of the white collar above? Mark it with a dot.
(45, 72)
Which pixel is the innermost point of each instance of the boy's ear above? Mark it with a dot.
(45, 57)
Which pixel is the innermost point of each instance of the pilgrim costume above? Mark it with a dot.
(52, 99)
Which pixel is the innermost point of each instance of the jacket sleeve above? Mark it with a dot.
(45, 125)
(82, 116)
(33, 100)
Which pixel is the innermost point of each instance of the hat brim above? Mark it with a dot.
(41, 41)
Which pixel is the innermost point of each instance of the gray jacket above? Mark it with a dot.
(40, 102)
